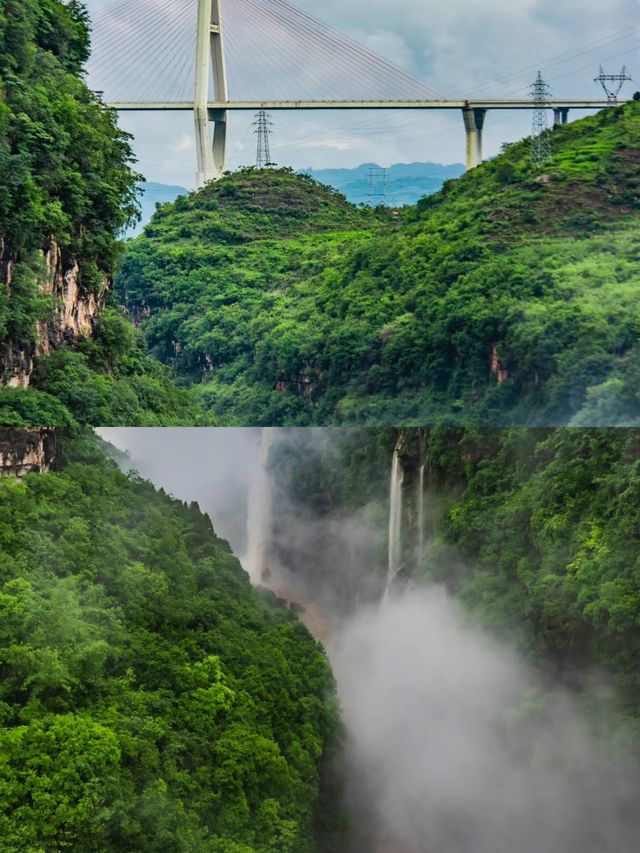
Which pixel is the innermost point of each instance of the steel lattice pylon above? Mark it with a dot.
(263, 124)
(377, 186)
(612, 83)
(540, 141)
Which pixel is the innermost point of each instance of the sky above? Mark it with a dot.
(459, 48)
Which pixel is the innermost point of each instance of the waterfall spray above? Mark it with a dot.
(259, 513)
(395, 515)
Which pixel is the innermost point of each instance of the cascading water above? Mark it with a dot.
(420, 496)
(259, 514)
(421, 511)
(395, 516)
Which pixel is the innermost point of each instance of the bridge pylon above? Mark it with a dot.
(210, 60)
(474, 119)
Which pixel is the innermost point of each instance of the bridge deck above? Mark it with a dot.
(523, 104)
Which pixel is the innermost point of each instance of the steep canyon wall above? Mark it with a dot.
(23, 451)
(74, 310)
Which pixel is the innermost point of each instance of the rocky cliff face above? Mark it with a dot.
(23, 451)
(74, 313)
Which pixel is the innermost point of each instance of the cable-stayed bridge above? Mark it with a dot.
(213, 57)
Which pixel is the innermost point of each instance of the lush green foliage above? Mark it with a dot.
(509, 297)
(64, 164)
(545, 526)
(220, 273)
(65, 174)
(109, 380)
(150, 700)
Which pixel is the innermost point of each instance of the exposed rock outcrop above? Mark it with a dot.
(23, 451)
(497, 367)
(73, 315)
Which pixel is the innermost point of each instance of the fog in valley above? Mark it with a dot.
(452, 748)
(453, 744)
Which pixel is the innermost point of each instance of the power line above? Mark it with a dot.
(515, 92)
(560, 59)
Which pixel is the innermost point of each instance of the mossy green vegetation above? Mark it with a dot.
(150, 699)
(507, 298)
(66, 176)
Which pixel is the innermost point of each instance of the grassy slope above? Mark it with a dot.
(293, 307)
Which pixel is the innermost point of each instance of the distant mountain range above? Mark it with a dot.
(153, 194)
(405, 184)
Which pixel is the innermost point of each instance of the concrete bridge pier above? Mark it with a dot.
(560, 115)
(474, 118)
(210, 148)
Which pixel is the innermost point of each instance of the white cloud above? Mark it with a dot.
(392, 46)
(335, 144)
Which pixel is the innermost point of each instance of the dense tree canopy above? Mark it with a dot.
(64, 164)
(108, 379)
(547, 525)
(150, 700)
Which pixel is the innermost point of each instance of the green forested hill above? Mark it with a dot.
(150, 700)
(509, 297)
(66, 178)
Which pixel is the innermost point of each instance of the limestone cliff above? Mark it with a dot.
(73, 314)
(25, 450)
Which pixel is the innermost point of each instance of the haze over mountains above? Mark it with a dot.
(151, 195)
(406, 183)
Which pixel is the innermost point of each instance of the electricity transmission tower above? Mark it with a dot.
(263, 124)
(377, 186)
(540, 141)
(612, 83)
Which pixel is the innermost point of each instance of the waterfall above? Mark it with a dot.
(261, 558)
(395, 516)
(421, 511)
(259, 513)
(420, 501)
